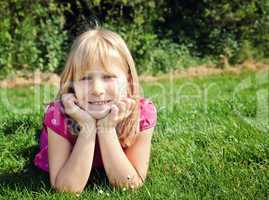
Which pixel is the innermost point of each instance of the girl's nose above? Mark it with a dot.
(98, 88)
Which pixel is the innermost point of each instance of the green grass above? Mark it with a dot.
(210, 142)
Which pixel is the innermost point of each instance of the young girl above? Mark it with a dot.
(98, 119)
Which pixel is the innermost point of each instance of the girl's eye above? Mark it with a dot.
(107, 77)
(86, 78)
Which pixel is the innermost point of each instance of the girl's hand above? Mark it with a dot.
(76, 110)
(119, 111)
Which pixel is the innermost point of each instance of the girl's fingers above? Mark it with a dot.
(121, 106)
(112, 117)
(71, 104)
(68, 99)
(114, 110)
(119, 111)
(81, 105)
(68, 96)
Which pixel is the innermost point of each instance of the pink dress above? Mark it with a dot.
(54, 118)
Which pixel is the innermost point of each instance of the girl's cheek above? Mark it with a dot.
(111, 89)
(121, 87)
(81, 90)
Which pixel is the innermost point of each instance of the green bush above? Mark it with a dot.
(152, 55)
(162, 35)
(164, 57)
(218, 27)
(198, 30)
(31, 35)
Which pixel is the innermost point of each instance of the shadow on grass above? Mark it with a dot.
(11, 124)
(33, 179)
(30, 178)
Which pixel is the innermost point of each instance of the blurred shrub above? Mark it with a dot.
(165, 56)
(31, 35)
(218, 27)
(162, 35)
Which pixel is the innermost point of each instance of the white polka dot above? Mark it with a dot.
(53, 121)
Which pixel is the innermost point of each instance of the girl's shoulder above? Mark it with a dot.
(53, 113)
(56, 120)
(148, 114)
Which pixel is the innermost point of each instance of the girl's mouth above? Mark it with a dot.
(99, 102)
(97, 108)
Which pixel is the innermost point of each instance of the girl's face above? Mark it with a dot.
(97, 90)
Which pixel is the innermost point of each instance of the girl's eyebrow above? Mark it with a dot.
(99, 73)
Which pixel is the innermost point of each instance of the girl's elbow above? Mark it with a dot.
(135, 186)
(128, 185)
(67, 186)
(68, 189)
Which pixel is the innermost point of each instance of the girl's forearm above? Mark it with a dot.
(75, 173)
(119, 169)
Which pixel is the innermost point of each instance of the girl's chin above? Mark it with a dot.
(99, 111)
(99, 114)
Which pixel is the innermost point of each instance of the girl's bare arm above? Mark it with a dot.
(70, 168)
(127, 169)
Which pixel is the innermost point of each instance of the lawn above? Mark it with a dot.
(211, 141)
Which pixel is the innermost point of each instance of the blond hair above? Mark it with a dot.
(95, 44)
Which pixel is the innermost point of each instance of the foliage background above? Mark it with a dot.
(162, 35)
